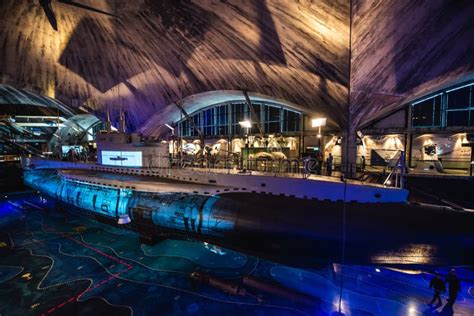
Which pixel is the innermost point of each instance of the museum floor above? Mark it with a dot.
(61, 263)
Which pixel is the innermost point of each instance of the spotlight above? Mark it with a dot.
(377, 270)
(318, 122)
(245, 124)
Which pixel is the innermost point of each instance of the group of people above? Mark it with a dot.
(83, 155)
(439, 286)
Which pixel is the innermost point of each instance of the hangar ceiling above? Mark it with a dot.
(403, 49)
(159, 52)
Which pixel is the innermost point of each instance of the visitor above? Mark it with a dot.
(363, 163)
(329, 164)
(438, 286)
(454, 286)
(307, 167)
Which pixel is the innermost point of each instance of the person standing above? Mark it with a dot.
(363, 163)
(454, 286)
(438, 286)
(329, 164)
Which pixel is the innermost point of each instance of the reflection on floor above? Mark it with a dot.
(60, 263)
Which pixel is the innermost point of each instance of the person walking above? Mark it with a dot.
(438, 286)
(454, 286)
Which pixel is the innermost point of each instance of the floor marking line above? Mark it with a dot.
(104, 281)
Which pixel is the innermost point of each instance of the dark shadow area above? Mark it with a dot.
(93, 49)
(441, 43)
(270, 46)
(452, 189)
(11, 177)
(447, 310)
(184, 25)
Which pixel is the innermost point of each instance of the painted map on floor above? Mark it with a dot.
(53, 262)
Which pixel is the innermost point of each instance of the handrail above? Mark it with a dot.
(400, 175)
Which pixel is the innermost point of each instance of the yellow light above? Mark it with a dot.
(245, 124)
(318, 122)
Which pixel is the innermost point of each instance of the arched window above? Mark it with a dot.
(223, 119)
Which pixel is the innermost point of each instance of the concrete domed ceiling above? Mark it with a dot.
(159, 52)
(405, 49)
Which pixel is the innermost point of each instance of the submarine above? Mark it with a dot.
(297, 232)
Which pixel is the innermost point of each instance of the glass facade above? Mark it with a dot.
(454, 107)
(223, 119)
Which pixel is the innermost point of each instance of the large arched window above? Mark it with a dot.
(223, 119)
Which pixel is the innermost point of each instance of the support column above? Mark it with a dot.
(302, 134)
(349, 153)
(408, 138)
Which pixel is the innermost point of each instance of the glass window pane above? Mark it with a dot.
(423, 113)
(437, 111)
(291, 121)
(222, 130)
(256, 107)
(459, 99)
(471, 101)
(273, 127)
(222, 115)
(457, 118)
(237, 113)
(197, 121)
(273, 114)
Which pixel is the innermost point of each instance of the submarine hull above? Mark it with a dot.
(298, 232)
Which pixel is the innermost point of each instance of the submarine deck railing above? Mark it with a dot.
(306, 168)
(295, 169)
(292, 167)
(313, 187)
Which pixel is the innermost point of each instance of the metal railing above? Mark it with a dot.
(292, 167)
(396, 176)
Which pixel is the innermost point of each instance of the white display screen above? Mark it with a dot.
(122, 158)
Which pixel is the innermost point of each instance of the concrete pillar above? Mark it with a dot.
(349, 152)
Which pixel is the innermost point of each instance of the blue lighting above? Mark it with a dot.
(189, 213)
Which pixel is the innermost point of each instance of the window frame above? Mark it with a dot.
(444, 110)
(236, 111)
